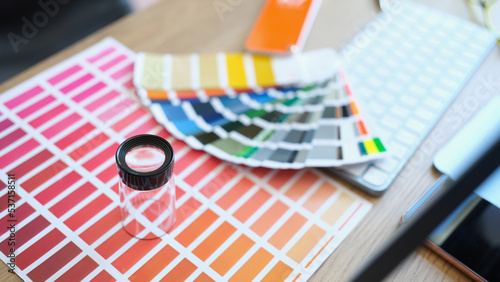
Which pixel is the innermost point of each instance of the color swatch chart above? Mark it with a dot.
(322, 128)
(305, 122)
(58, 136)
(179, 75)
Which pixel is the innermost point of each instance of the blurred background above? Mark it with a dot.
(32, 30)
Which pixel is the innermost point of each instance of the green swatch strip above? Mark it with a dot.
(379, 145)
(229, 145)
(247, 152)
(255, 113)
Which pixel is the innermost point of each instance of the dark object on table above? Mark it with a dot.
(32, 30)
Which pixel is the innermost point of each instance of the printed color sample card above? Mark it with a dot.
(315, 126)
(282, 26)
(311, 120)
(179, 75)
(58, 135)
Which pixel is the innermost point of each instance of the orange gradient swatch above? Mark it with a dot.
(218, 181)
(214, 241)
(203, 277)
(319, 252)
(287, 231)
(278, 273)
(117, 240)
(194, 230)
(235, 194)
(199, 173)
(155, 264)
(133, 254)
(157, 94)
(361, 127)
(280, 178)
(181, 271)
(251, 205)
(232, 254)
(253, 266)
(302, 185)
(185, 211)
(338, 208)
(354, 108)
(306, 243)
(269, 218)
(319, 197)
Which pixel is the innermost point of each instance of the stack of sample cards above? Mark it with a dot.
(276, 112)
(182, 76)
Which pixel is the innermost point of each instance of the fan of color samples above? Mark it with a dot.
(276, 112)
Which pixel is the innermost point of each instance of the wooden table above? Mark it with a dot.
(196, 26)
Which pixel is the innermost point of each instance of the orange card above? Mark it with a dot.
(282, 26)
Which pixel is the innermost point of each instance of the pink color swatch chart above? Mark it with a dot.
(58, 135)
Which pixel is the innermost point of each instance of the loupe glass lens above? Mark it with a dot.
(145, 164)
(145, 158)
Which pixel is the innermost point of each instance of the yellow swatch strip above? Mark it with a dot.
(236, 71)
(209, 77)
(153, 69)
(181, 72)
(370, 147)
(338, 208)
(263, 70)
(354, 108)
